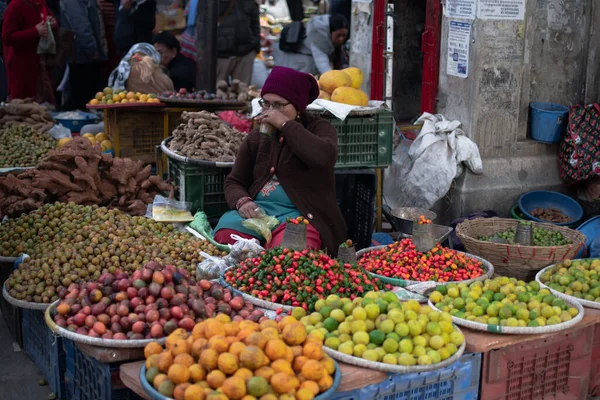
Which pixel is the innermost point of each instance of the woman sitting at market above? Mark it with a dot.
(181, 69)
(289, 173)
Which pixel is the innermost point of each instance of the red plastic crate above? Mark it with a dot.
(594, 387)
(557, 367)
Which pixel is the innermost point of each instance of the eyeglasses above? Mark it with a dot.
(275, 105)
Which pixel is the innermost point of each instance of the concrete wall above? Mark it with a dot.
(552, 55)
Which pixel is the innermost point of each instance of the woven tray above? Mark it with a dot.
(585, 303)
(424, 285)
(478, 326)
(253, 300)
(514, 260)
(221, 104)
(164, 147)
(22, 304)
(125, 105)
(328, 394)
(395, 369)
(108, 343)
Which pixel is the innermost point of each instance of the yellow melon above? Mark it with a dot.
(324, 95)
(356, 75)
(364, 99)
(88, 135)
(350, 96)
(106, 145)
(334, 79)
(63, 141)
(100, 137)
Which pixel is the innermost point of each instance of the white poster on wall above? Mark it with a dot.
(465, 9)
(459, 36)
(501, 9)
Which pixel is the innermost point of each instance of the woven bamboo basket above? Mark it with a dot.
(513, 260)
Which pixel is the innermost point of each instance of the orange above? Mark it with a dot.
(289, 355)
(197, 373)
(152, 361)
(194, 392)
(218, 343)
(244, 373)
(268, 323)
(94, 102)
(328, 364)
(165, 360)
(215, 379)
(223, 318)
(257, 339)
(313, 370)
(325, 382)
(232, 329)
(297, 350)
(282, 366)
(178, 373)
(276, 349)
(130, 95)
(184, 359)
(244, 333)
(212, 328)
(181, 346)
(294, 333)
(158, 379)
(236, 348)
(234, 388)
(299, 363)
(265, 372)
(198, 346)
(228, 363)
(271, 333)
(252, 358)
(304, 394)
(179, 392)
(208, 359)
(313, 351)
(312, 386)
(283, 383)
(285, 321)
(198, 331)
(249, 324)
(175, 336)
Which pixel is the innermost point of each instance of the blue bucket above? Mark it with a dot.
(548, 121)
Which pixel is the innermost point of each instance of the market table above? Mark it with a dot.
(352, 377)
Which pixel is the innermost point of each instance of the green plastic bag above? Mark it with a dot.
(200, 224)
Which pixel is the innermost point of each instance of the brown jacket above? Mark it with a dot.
(304, 163)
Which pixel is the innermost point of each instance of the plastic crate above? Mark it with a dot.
(459, 381)
(136, 133)
(45, 350)
(556, 367)
(365, 141)
(594, 387)
(88, 379)
(200, 185)
(355, 191)
(11, 314)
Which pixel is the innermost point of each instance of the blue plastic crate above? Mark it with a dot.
(45, 349)
(88, 379)
(459, 381)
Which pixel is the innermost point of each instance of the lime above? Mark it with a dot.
(435, 356)
(401, 329)
(315, 318)
(396, 316)
(390, 297)
(436, 297)
(319, 304)
(393, 336)
(346, 348)
(458, 303)
(410, 315)
(414, 327)
(457, 338)
(406, 359)
(347, 308)
(325, 311)
(359, 314)
(437, 342)
(383, 306)
(424, 360)
(387, 326)
(390, 359)
(330, 324)
(344, 337)
(358, 326)
(257, 386)
(406, 346)
(505, 312)
(338, 315)
(298, 313)
(419, 351)
(420, 341)
(358, 350)
(452, 348)
(332, 342)
(331, 300)
(390, 346)
(433, 328)
(361, 338)
(370, 324)
(344, 327)
(370, 355)
(372, 310)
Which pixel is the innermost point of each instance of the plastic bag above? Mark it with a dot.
(47, 45)
(169, 210)
(59, 132)
(211, 267)
(242, 249)
(200, 224)
(263, 224)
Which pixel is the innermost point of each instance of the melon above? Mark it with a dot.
(350, 96)
(324, 95)
(334, 79)
(356, 76)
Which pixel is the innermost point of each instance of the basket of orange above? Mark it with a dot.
(223, 359)
(110, 98)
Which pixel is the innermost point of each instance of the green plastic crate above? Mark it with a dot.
(365, 141)
(200, 185)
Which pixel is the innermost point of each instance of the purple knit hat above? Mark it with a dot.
(298, 88)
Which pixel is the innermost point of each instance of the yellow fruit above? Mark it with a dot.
(312, 386)
(94, 102)
(165, 360)
(282, 366)
(179, 373)
(252, 358)
(313, 351)
(101, 136)
(215, 379)
(184, 359)
(276, 349)
(334, 79)
(350, 96)
(106, 145)
(324, 95)
(194, 392)
(313, 370)
(209, 359)
(265, 372)
(228, 363)
(356, 76)
(364, 99)
(234, 388)
(179, 392)
(244, 373)
(283, 383)
(294, 333)
(304, 394)
(197, 373)
(325, 382)
(60, 144)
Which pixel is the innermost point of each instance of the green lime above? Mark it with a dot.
(377, 337)
(331, 324)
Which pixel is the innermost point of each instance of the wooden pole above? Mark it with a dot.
(206, 45)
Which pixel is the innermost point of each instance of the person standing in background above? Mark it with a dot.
(86, 68)
(181, 69)
(135, 21)
(24, 23)
(107, 12)
(238, 39)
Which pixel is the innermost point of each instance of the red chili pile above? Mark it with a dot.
(401, 260)
(299, 278)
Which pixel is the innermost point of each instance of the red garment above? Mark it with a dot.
(313, 239)
(20, 39)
